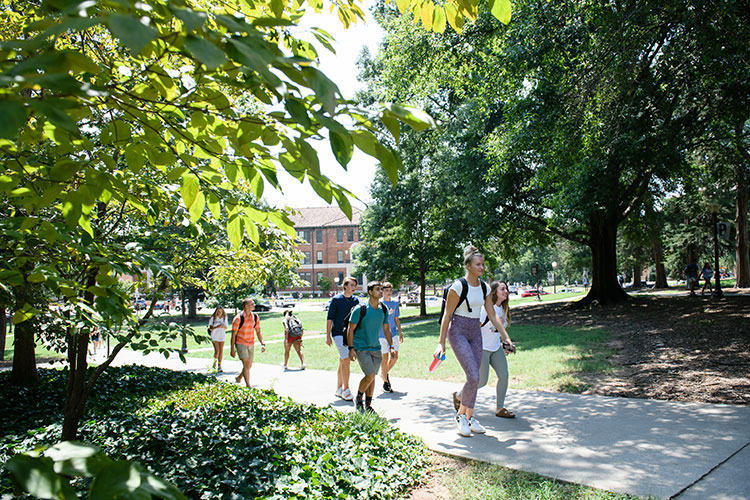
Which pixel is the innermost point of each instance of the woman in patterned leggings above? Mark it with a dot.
(461, 325)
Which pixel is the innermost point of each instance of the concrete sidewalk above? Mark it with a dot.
(687, 451)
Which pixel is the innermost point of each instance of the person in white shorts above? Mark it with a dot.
(217, 327)
(340, 307)
(390, 354)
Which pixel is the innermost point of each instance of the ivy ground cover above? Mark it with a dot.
(216, 440)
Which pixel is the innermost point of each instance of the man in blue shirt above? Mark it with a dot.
(364, 342)
(339, 308)
(394, 322)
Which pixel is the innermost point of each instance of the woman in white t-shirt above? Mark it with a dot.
(495, 346)
(461, 325)
(217, 326)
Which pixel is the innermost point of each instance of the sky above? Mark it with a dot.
(342, 69)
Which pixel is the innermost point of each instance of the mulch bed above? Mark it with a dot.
(672, 347)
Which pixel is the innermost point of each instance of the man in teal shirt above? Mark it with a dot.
(364, 342)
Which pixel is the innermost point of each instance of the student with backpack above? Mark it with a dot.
(245, 327)
(496, 345)
(338, 310)
(460, 323)
(292, 337)
(363, 334)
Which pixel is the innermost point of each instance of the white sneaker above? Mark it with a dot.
(347, 395)
(475, 426)
(340, 392)
(462, 423)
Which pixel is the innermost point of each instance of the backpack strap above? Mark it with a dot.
(362, 312)
(464, 293)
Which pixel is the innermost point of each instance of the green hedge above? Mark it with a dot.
(216, 440)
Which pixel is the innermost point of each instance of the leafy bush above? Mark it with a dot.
(216, 440)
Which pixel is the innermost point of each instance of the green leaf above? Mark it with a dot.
(189, 189)
(196, 209)
(131, 31)
(37, 477)
(393, 126)
(63, 170)
(324, 89)
(342, 147)
(439, 20)
(415, 118)
(13, 117)
(298, 111)
(501, 9)
(54, 112)
(189, 17)
(135, 157)
(73, 458)
(213, 205)
(206, 52)
(119, 479)
(234, 230)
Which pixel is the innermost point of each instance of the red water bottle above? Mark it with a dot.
(436, 362)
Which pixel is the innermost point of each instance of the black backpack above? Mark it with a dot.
(294, 326)
(362, 312)
(461, 297)
(242, 319)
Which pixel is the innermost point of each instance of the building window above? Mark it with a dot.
(319, 257)
(305, 276)
(319, 236)
(318, 277)
(340, 256)
(339, 236)
(350, 235)
(341, 277)
(306, 259)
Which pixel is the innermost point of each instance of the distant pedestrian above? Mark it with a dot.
(292, 337)
(691, 273)
(245, 327)
(460, 323)
(707, 273)
(390, 352)
(338, 310)
(217, 328)
(364, 342)
(495, 346)
(96, 337)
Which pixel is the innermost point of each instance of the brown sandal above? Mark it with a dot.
(503, 413)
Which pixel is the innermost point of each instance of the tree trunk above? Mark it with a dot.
(193, 306)
(603, 243)
(3, 332)
(76, 393)
(661, 273)
(24, 358)
(637, 273)
(422, 289)
(740, 222)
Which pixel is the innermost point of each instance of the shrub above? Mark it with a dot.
(216, 440)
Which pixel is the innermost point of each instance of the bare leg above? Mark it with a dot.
(367, 385)
(287, 346)
(220, 354)
(343, 373)
(298, 348)
(246, 365)
(384, 367)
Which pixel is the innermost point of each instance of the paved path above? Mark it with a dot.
(687, 451)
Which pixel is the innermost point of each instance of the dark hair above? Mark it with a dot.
(373, 284)
(288, 312)
(469, 253)
(245, 302)
(505, 304)
(348, 279)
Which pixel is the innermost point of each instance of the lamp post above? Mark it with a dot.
(554, 280)
(714, 216)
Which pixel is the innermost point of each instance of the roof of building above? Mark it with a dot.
(323, 217)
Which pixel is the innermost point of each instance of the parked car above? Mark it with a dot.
(531, 292)
(285, 300)
(140, 304)
(262, 305)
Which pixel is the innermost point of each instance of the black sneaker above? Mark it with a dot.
(387, 386)
(369, 409)
(359, 406)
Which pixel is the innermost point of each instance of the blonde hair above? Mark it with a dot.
(469, 253)
(216, 311)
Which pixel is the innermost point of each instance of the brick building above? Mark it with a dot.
(328, 238)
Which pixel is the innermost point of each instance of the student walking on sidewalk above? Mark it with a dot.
(460, 323)
(363, 334)
(495, 346)
(390, 356)
(339, 309)
(245, 326)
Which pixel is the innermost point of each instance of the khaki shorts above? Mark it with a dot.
(369, 361)
(245, 351)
